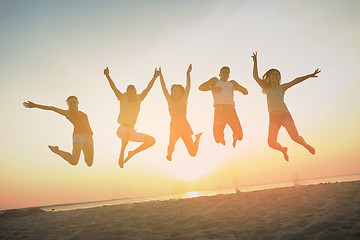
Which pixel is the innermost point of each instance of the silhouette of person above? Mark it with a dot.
(82, 135)
(129, 110)
(279, 114)
(179, 125)
(224, 104)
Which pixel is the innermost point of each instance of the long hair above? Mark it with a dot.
(266, 78)
(182, 89)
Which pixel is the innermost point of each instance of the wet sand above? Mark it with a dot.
(322, 211)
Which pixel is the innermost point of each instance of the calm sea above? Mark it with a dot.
(72, 206)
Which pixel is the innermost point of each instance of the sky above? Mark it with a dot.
(53, 49)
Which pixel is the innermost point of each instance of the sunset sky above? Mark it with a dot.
(53, 49)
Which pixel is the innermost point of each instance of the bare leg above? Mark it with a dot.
(171, 147)
(272, 139)
(293, 133)
(124, 142)
(88, 151)
(73, 158)
(197, 141)
(148, 142)
(191, 146)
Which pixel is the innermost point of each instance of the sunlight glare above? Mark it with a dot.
(192, 194)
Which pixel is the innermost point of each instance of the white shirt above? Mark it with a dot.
(226, 95)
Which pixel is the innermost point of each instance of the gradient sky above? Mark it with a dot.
(53, 49)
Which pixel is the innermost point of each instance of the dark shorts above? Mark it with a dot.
(223, 117)
(180, 128)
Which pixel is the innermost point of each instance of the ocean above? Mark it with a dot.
(72, 206)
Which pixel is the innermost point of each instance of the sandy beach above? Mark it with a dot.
(323, 211)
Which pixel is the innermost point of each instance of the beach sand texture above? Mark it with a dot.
(323, 211)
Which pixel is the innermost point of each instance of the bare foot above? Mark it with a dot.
(169, 158)
(285, 153)
(130, 155)
(310, 149)
(198, 135)
(121, 160)
(54, 149)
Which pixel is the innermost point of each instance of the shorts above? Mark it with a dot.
(279, 118)
(180, 128)
(134, 136)
(83, 138)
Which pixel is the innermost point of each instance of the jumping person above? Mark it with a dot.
(179, 125)
(129, 110)
(224, 104)
(279, 114)
(82, 135)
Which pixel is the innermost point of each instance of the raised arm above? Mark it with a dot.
(188, 82)
(29, 104)
(112, 84)
(300, 79)
(255, 71)
(208, 85)
(239, 88)
(163, 86)
(150, 84)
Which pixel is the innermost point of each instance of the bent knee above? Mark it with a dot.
(89, 163)
(150, 140)
(74, 159)
(191, 150)
(272, 144)
(74, 163)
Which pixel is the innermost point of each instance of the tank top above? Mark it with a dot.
(80, 122)
(177, 109)
(226, 95)
(275, 99)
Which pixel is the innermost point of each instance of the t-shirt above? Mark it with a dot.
(129, 110)
(226, 95)
(80, 122)
(275, 99)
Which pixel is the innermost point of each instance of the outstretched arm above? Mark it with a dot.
(208, 85)
(163, 86)
(29, 104)
(239, 88)
(255, 71)
(149, 86)
(300, 79)
(112, 84)
(188, 82)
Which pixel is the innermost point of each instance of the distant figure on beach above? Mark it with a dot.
(224, 104)
(129, 110)
(82, 135)
(279, 114)
(179, 125)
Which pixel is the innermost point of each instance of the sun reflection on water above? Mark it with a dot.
(192, 194)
